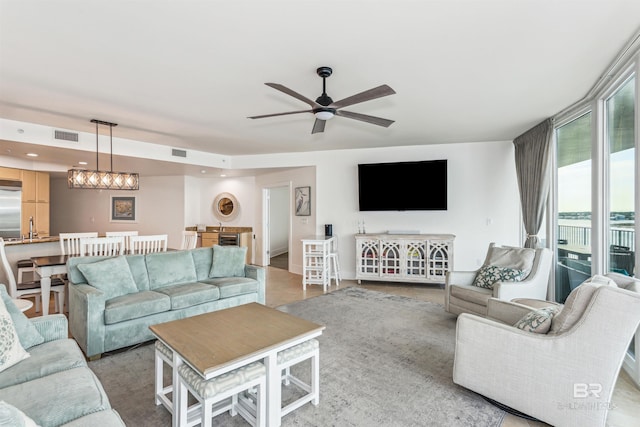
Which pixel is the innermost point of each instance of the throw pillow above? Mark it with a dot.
(228, 261)
(511, 257)
(490, 274)
(11, 352)
(27, 332)
(10, 416)
(537, 321)
(112, 276)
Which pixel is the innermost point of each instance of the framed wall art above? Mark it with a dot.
(123, 209)
(302, 199)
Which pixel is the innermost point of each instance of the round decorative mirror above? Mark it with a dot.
(226, 207)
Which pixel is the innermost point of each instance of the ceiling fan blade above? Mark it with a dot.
(279, 114)
(367, 95)
(365, 118)
(296, 95)
(318, 126)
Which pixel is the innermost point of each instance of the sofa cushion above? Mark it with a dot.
(134, 306)
(46, 359)
(190, 294)
(11, 351)
(232, 286)
(537, 321)
(228, 261)
(170, 268)
(70, 394)
(489, 274)
(27, 332)
(576, 303)
(202, 258)
(10, 416)
(472, 294)
(511, 257)
(138, 267)
(112, 276)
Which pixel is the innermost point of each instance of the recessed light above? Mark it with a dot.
(82, 163)
(223, 175)
(203, 171)
(32, 155)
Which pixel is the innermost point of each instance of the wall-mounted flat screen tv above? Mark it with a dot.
(403, 186)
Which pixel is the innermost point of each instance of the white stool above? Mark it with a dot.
(163, 355)
(220, 394)
(292, 356)
(334, 268)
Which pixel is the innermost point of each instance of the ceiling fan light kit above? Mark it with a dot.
(323, 108)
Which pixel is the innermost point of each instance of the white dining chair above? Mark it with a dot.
(30, 288)
(70, 242)
(189, 240)
(127, 237)
(148, 244)
(102, 246)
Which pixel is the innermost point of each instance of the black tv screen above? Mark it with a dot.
(403, 186)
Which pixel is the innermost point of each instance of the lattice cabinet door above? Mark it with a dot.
(368, 258)
(390, 261)
(440, 259)
(415, 261)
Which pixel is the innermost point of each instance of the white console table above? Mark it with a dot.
(418, 258)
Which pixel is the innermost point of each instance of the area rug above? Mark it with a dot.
(385, 360)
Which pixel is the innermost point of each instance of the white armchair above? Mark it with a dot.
(565, 377)
(462, 297)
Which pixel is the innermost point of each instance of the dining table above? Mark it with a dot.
(45, 267)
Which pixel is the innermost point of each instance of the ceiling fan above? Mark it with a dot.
(324, 108)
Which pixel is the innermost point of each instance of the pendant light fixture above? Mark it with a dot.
(97, 179)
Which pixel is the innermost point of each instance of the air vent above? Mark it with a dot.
(178, 153)
(65, 136)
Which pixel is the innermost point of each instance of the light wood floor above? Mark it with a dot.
(284, 287)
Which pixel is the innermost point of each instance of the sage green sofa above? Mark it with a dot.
(53, 386)
(114, 300)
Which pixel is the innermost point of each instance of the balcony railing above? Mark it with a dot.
(581, 236)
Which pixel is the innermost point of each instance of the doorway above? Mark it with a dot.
(277, 226)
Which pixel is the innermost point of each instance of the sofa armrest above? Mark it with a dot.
(534, 289)
(53, 327)
(86, 317)
(506, 311)
(257, 273)
(460, 277)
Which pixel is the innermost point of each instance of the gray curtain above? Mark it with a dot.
(532, 167)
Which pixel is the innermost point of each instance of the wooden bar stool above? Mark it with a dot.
(220, 394)
(292, 356)
(163, 355)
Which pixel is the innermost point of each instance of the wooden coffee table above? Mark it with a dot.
(224, 340)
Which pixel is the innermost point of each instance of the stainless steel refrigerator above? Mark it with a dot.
(10, 205)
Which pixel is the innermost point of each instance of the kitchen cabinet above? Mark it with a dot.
(35, 202)
(209, 239)
(10, 173)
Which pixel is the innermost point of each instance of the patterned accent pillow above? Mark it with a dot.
(11, 351)
(490, 274)
(537, 321)
(12, 416)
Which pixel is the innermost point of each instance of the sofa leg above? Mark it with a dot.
(94, 357)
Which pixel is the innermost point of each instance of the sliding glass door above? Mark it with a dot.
(573, 158)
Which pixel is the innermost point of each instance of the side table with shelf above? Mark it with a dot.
(315, 260)
(421, 258)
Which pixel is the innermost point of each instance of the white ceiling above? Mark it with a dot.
(186, 74)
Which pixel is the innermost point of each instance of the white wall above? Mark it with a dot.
(279, 221)
(483, 206)
(159, 208)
